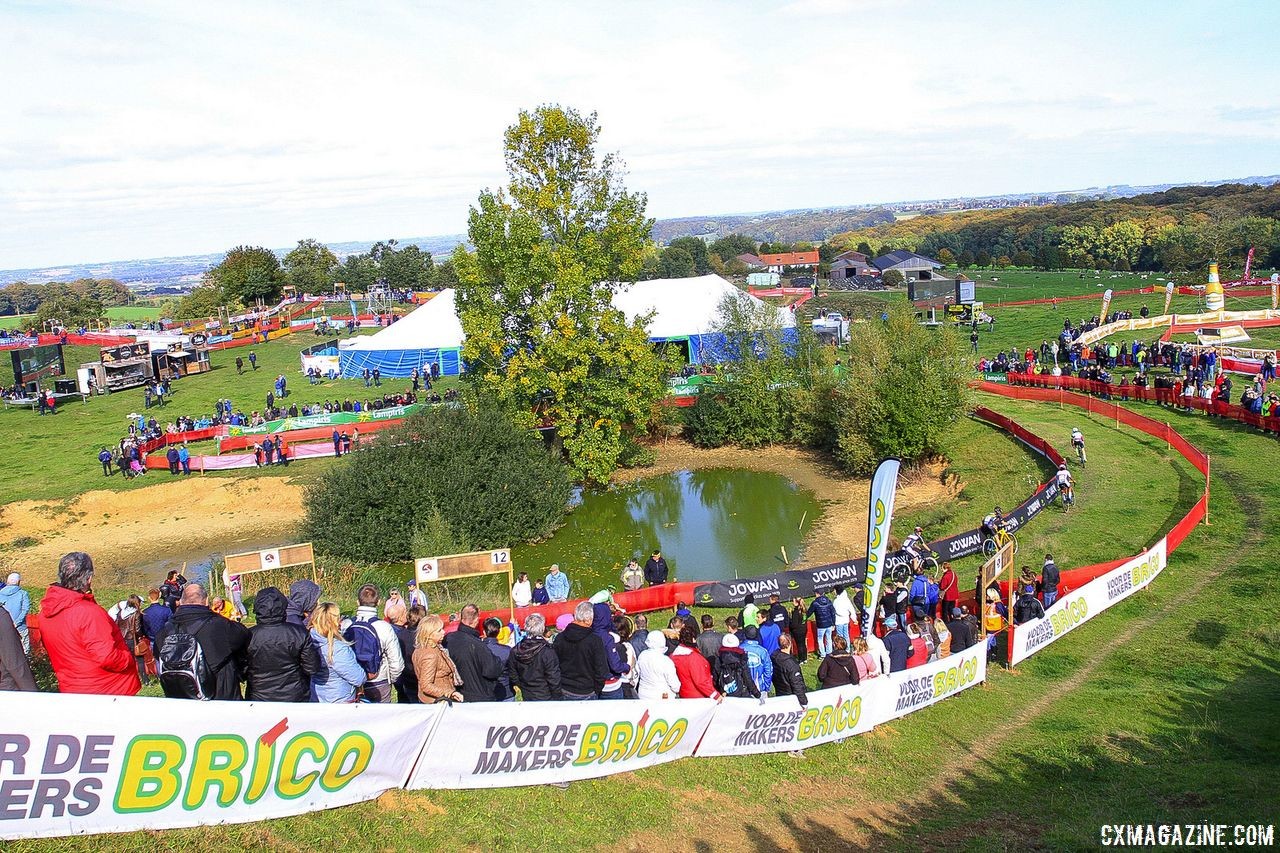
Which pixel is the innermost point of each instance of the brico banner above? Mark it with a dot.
(1073, 610)
(504, 744)
(76, 765)
(744, 726)
(922, 686)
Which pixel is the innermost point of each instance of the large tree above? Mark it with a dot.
(249, 273)
(535, 297)
(310, 267)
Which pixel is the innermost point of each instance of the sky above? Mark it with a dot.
(138, 129)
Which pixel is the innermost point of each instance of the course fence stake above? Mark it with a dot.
(1207, 461)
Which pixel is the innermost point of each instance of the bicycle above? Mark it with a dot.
(991, 544)
(1080, 454)
(1068, 494)
(903, 572)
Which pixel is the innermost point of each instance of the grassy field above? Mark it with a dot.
(55, 457)
(1158, 710)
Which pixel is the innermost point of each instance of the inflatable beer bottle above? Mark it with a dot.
(1214, 299)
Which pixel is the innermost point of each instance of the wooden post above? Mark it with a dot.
(511, 582)
(1013, 584)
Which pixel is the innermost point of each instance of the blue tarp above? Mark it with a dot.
(398, 363)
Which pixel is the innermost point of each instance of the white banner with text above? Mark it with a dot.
(1079, 606)
(76, 765)
(502, 744)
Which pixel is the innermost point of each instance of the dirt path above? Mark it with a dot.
(123, 530)
(842, 531)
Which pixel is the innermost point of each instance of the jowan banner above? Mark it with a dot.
(1081, 605)
(884, 487)
(502, 744)
(333, 419)
(73, 764)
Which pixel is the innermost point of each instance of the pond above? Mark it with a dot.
(712, 524)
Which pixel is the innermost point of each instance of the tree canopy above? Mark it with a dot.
(247, 274)
(535, 297)
(310, 267)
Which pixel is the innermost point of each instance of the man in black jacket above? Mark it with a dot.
(1049, 579)
(583, 664)
(502, 691)
(787, 678)
(961, 631)
(533, 665)
(281, 657)
(655, 569)
(223, 643)
(1027, 607)
(477, 667)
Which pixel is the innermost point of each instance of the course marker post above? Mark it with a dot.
(1207, 460)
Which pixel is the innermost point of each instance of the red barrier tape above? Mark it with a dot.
(1162, 396)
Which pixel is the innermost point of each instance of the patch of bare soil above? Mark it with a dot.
(121, 530)
(841, 533)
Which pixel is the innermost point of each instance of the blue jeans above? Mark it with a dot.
(843, 631)
(612, 694)
(579, 697)
(824, 641)
(1050, 596)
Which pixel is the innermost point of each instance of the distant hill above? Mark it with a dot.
(170, 274)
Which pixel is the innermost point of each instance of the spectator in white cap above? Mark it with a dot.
(17, 601)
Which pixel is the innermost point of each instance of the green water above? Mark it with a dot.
(711, 524)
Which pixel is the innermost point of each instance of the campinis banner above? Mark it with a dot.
(503, 744)
(1073, 610)
(76, 765)
(332, 419)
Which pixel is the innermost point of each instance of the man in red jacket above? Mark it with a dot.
(85, 647)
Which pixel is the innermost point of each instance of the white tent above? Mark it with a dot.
(684, 310)
(430, 334)
(682, 306)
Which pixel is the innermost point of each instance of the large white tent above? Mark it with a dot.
(685, 311)
(430, 334)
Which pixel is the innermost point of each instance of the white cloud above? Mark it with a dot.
(147, 128)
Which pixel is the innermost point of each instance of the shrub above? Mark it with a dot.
(470, 476)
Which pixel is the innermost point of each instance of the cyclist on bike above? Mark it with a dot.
(1077, 443)
(1066, 484)
(993, 523)
(915, 546)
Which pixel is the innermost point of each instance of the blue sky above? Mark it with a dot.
(132, 129)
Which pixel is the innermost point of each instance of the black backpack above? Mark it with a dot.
(180, 664)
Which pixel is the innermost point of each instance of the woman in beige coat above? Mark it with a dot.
(437, 675)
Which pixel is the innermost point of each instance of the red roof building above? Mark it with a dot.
(775, 263)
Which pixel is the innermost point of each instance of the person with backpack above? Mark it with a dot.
(758, 661)
(919, 594)
(730, 671)
(281, 658)
(375, 645)
(199, 654)
(85, 648)
(129, 621)
(1027, 607)
(617, 661)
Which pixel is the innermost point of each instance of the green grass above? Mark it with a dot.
(134, 313)
(55, 458)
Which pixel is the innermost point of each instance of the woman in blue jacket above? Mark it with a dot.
(340, 674)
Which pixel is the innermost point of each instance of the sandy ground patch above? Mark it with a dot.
(841, 533)
(123, 530)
